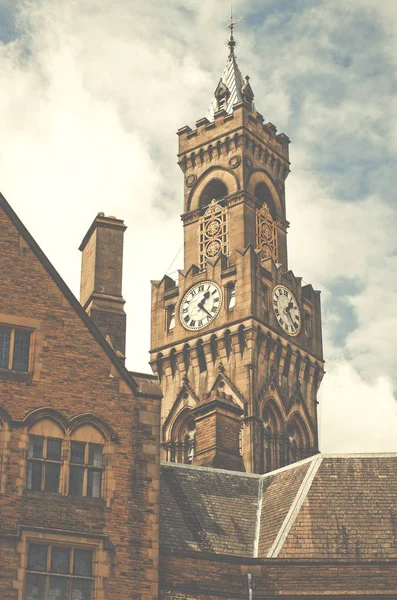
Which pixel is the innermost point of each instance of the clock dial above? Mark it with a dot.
(200, 305)
(286, 309)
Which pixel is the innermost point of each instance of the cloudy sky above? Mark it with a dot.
(92, 93)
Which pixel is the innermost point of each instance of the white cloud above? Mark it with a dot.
(92, 94)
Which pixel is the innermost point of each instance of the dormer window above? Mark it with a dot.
(14, 348)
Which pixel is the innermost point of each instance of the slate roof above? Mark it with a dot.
(234, 82)
(327, 506)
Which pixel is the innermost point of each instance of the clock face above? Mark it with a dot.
(200, 305)
(286, 309)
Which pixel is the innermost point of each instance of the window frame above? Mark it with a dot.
(87, 468)
(44, 461)
(48, 573)
(13, 329)
(81, 541)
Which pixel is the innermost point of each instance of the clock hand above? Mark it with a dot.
(201, 303)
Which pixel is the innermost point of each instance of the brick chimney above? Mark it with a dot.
(101, 278)
(218, 422)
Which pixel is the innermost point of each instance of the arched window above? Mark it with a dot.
(183, 438)
(298, 439)
(201, 356)
(264, 196)
(214, 190)
(273, 451)
(45, 457)
(86, 468)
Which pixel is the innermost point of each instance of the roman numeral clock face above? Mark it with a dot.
(286, 309)
(200, 305)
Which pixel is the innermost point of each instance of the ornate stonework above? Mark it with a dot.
(213, 233)
(266, 234)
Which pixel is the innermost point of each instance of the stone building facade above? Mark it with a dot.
(247, 367)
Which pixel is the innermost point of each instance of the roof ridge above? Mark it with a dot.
(258, 518)
(295, 508)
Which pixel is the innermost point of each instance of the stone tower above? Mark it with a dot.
(236, 342)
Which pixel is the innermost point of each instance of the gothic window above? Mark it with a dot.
(214, 190)
(170, 317)
(266, 233)
(201, 356)
(231, 295)
(183, 438)
(298, 440)
(273, 439)
(14, 348)
(86, 467)
(298, 363)
(58, 572)
(213, 233)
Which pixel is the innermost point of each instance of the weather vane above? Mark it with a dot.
(232, 42)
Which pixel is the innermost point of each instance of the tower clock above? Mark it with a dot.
(236, 341)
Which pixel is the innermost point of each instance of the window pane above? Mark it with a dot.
(95, 455)
(76, 481)
(52, 477)
(60, 560)
(58, 588)
(82, 563)
(5, 336)
(82, 589)
(54, 448)
(21, 351)
(77, 453)
(35, 446)
(33, 476)
(37, 557)
(94, 484)
(35, 586)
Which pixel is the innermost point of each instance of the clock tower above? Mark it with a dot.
(236, 342)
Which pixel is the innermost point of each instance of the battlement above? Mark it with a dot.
(226, 128)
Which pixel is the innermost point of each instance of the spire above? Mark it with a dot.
(231, 88)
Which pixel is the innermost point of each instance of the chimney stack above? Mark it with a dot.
(101, 278)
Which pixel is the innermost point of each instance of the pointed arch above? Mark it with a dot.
(268, 192)
(173, 363)
(273, 455)
(186, 357)
(226, 176)
(214, 347)
(183, 437)
(46, 413)
(299, 439)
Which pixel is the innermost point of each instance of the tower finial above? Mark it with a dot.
(232, 42)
